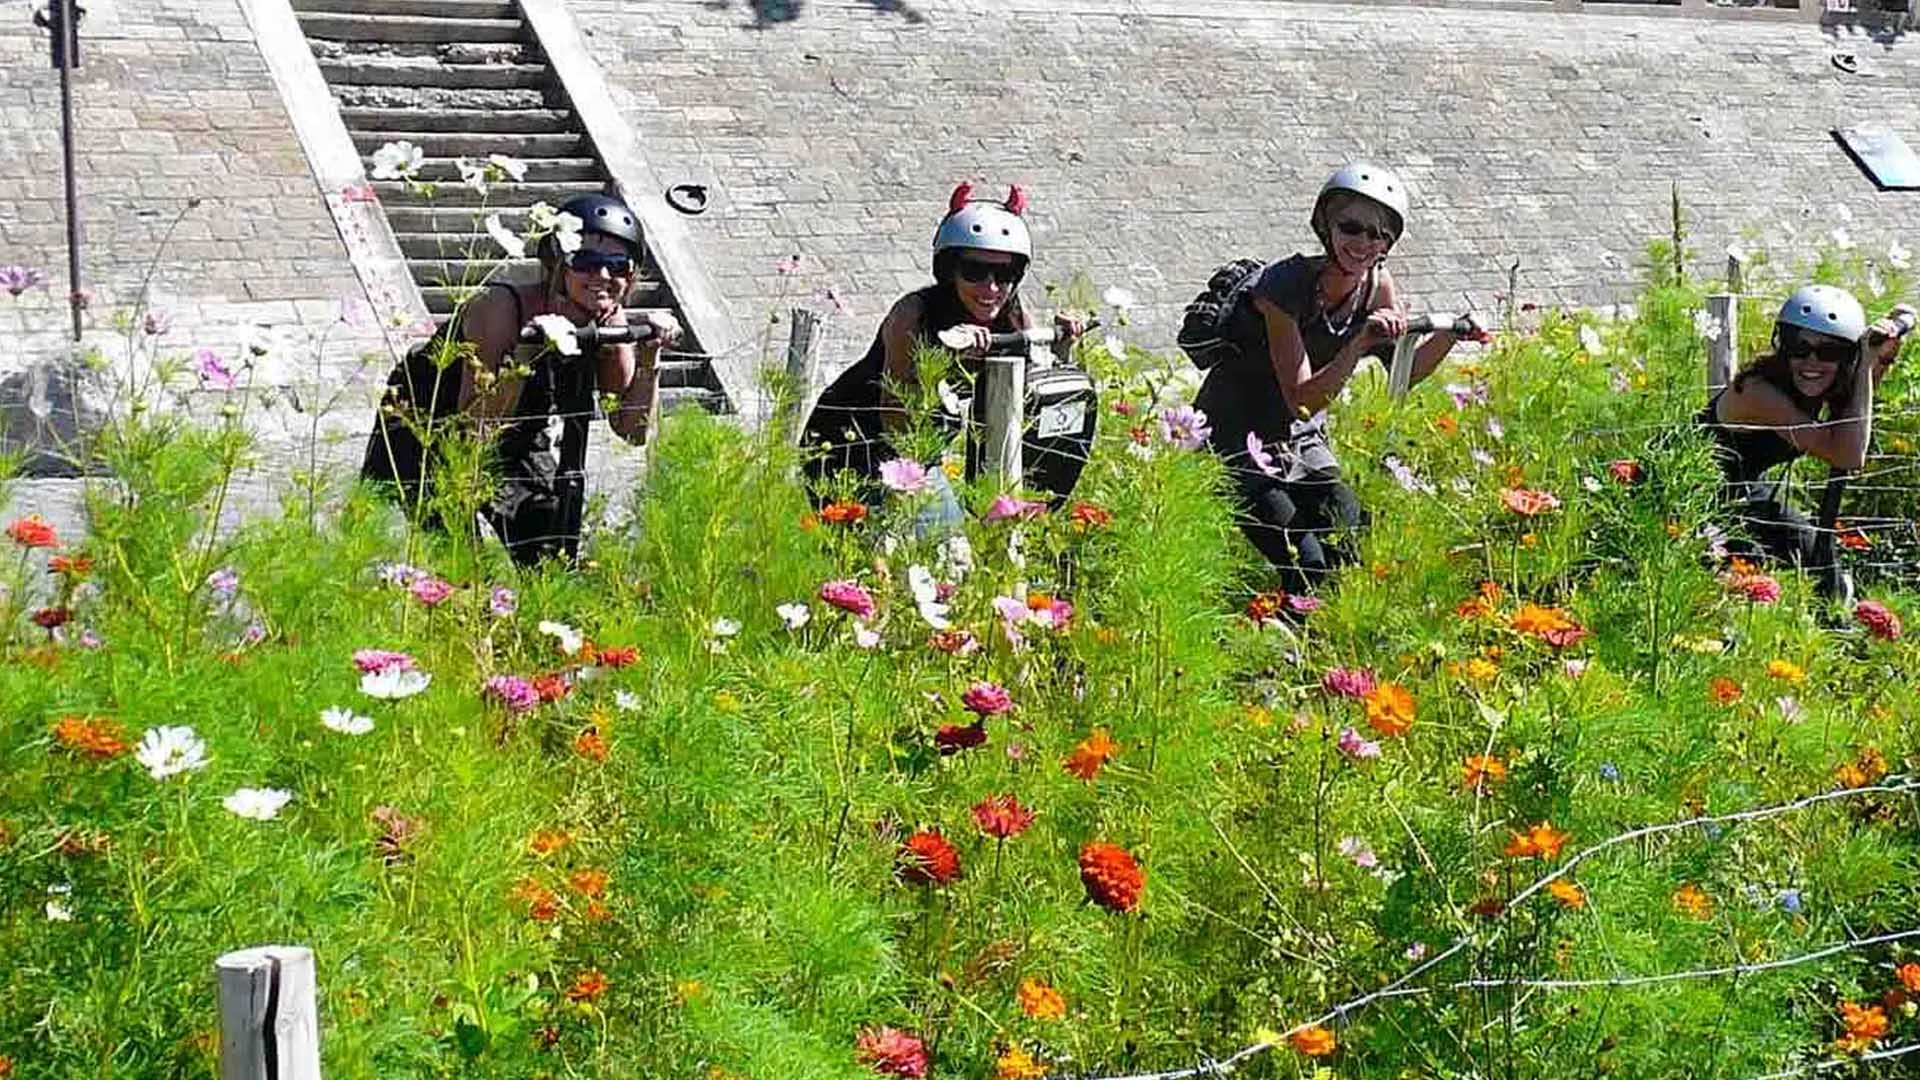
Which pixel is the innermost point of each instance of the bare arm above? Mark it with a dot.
(1431, 351)
(1308, 391)
(631, 375)
(1840, 442)
(488, 391)
(897, 334)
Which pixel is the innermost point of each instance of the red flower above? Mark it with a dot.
(892, 1052)
(551, 687)
(927, 859)
(844, 512)
(1626, 470)
(1002, 816)
(1879, 620)
(52, 618)
(33, 531)
(987, 699)
(588, 986)
(1265, 607)
(1086, 515)
(953, 738)
(71, 565)
(618, 656)
(1112, 878)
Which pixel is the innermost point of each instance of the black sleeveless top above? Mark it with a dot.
(846, 429)
(1240, 394)
(1745, 452)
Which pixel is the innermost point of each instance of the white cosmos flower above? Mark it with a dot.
(626, 701)
(1115, 347)
(1590, 340)
(58, 910)
(1842, 239)
(398, 161)
(257, 804)
(473, 174)
(1117, 297)
(1706, 325)
(794, 615)
(345, 721)
(392, 684)
(1591, 483)
(508, 240)
(514, 168)
(724, 627)
(565, 228)
(559, 333)
(169, 751)
(1898, 256)
(570, 639)
(956, 558)
(863, 637)
(926, 596)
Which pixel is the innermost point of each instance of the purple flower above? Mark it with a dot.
(904, 475)
(1303, 604)
(399, 575)
(1495, 428)
(254, 634)
(1257, 453)
(503, 603)
(18, 279)
(1008, 506)
(430, 591)
(375, 661)
(1348, 682)
(1790, 901)
(91, 640)
(1356, 747)
(1406, 477)
(516, 693)
(1185, 427)
(224, 582)
(1359, 851)
(212, 371)
(1465, 394)
(156, 322)
(1609, 772)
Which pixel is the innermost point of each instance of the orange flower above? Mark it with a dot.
(618, 656)
(71, 565)
(1785, 671)
(1527, 502)
(1476, 608)
(809, 521)
(6, 1067)
(588, 986)
(33, 531)
(1313, 1041)
(927, 858)
(1529, 540)
(1266, 607)
(545, 842)
(1480, 670)
(1086, 515)
(542, 905)
(1870, 766)
(1111, 876)
(1017, 1064)
(1541, 841)
(1093, 752)
(844, 512)
(1723, 691)
(1567, 893)
(1390, 709)
(1041, 1001)
(1909, 975)
(1865, 1025)
(1540, 621)
(596, 912)
(1480, 771)
(590, 744)
(1692, 900)
(1446, 424)
(1851, 538)
(589, 882)
(551, 687)
(93, 736)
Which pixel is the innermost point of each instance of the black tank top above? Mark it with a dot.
(1745, 452)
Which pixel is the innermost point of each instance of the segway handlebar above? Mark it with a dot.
(593, 336)
(1460, 326)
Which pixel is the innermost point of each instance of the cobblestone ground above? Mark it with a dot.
(1159, 138)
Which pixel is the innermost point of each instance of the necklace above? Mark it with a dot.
(1346, 323)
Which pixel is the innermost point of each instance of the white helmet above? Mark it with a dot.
(984, 226)
(1370, 181)
(1824, 309)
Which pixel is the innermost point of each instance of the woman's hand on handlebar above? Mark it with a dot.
(1067, 328)
(1384, 324)
(666, 329)
(1889, 333)
(967, 339)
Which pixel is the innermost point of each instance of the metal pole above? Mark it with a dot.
(76, 299)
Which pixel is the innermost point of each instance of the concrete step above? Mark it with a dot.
(455, 271)
(414, 223)
(409, 71)
(454, 243)
(536, 121)
(441, 298)
(406, 27)
(460, 199)
(449, 144)
(439, 9)
(440, 97)
(580, 170)
(467, 52)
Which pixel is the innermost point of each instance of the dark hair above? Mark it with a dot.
(1773, 368)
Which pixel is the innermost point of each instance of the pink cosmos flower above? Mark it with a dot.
(1356, 747)
(1359, 851)
(430, 591)
(904, 475)
(892, 1052)
(1185, 427)
(1007, 506)
(358, 193)
(849, 596)
(987, 699)
(375, 661)
(516, 693)
(212, 371)
(18, 279)
(503, 603)
(1303, 604)
(1257, 453)
(1760, 588)
(1348, 682)
(1879, 620)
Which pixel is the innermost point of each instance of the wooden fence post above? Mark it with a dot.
(796, 387)
(1723, 352)
(1736, 273)
(269, 1027)
(1005, 384)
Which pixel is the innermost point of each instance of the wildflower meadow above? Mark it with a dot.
(1543, 785)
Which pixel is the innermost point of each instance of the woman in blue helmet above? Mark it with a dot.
(1810, 394)
(541, 497)
(980, 255)
(1306, 323)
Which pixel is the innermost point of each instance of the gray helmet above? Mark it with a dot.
(605, 215)
(1824, 309)
(1369, 181)
(984, 226)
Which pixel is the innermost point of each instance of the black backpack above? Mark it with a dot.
(1218, 322)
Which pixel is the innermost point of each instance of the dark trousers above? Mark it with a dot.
(1301, 526)
(1771, 528)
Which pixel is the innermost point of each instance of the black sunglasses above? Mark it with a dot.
(1350, 227)
(975, 271)
(587, 261)
(1820, 347)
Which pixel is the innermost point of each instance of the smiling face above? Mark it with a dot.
(984, 281)
(1359, 232)
(1813, 361)
(596, 288)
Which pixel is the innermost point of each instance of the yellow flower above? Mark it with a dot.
(1259, 716)
(725, 701)
(1041, 1001)
(1692, 900)
(1482, 670)
(1785, 670)
(1567, 893)
(1017, 1064)
(953, 467)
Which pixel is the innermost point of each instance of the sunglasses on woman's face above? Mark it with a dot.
(976, 271)
(1350, 227)
(1825, 349)
(587, 261)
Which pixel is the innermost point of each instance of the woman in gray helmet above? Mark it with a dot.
(980, 254)
(541, 498)
(1810, 394)
(1306, 324)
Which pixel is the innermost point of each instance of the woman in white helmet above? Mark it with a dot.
(1808, 395)
(1310, 321)
(980, 254)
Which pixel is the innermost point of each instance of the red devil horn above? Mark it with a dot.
(961, 196)
(1016, 200)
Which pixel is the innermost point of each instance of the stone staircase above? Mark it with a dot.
(466, 78)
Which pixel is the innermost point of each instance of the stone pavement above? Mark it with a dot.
(1159, 138)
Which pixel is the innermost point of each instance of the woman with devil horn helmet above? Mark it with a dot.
(1308, 322)
(981, 251)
